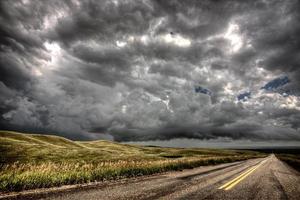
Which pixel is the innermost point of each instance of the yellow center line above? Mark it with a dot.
(235, 178)
(238, 179)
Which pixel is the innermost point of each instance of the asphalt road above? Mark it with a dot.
(263, 178)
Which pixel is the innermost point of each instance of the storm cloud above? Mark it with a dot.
(151, 70)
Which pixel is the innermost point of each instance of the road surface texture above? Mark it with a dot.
(263, 178)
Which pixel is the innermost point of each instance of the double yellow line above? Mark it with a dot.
(238, 179)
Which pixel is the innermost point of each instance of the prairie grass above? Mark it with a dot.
(292, 159)
(30, 161)
(16, 176)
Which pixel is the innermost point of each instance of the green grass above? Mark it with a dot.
(29, 161)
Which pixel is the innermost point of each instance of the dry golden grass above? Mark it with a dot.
(35, 161)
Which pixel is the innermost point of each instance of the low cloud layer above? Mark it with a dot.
(151, 70)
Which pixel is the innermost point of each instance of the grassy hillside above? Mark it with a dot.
(31, 161)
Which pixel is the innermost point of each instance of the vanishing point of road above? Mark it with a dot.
(262, 178)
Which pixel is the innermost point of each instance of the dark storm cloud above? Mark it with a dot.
(254, 132)
(201, 19)
(102, 21)
(273, 32)
(13, 73)
(131, 70)
(170, 69)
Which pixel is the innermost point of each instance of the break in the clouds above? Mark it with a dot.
(151, 70)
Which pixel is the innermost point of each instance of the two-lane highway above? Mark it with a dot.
(263, 178)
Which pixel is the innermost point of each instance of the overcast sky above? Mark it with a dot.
(198, 71)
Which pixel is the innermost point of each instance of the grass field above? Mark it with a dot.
(290, 155)
(292, 159)
(29, 161)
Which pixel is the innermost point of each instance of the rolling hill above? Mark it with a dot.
(29, 161)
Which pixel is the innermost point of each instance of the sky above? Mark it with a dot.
(172, 73)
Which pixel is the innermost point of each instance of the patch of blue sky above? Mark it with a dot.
(202, 90)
